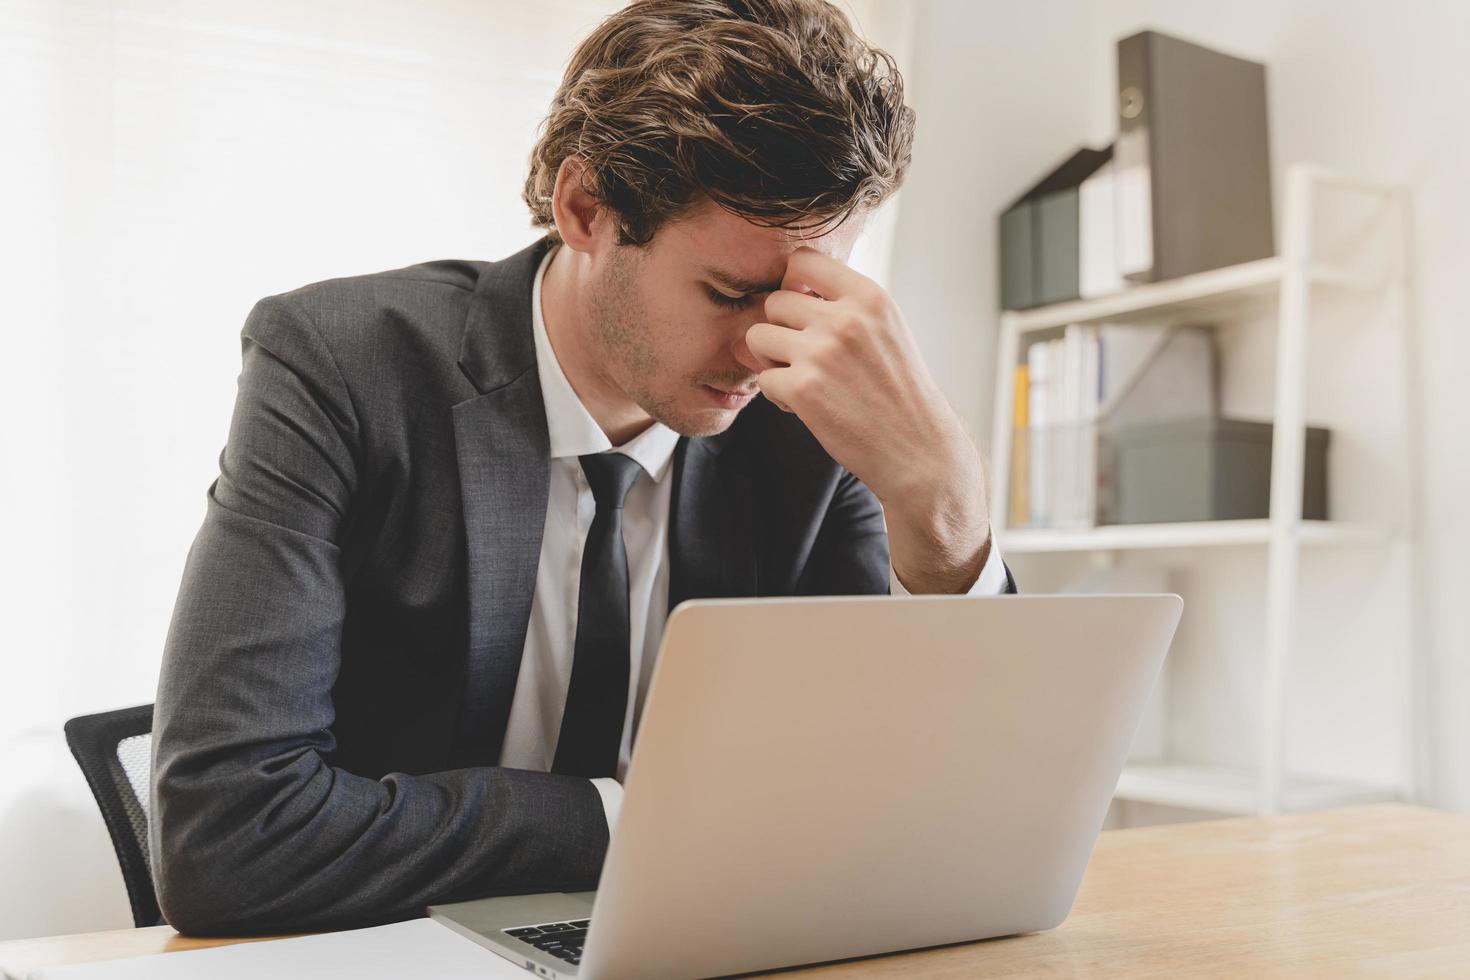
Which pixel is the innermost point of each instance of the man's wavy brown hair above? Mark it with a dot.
(776, 110)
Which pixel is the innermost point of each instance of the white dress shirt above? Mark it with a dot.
(546, 661)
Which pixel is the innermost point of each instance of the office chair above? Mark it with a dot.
(114, 750)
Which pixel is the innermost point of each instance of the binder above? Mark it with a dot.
(1057, 245)
(1039, 236)
(1193, 170)
(1017, 287)
(1097, 231)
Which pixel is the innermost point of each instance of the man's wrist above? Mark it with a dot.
(936, 571)
(938, 521)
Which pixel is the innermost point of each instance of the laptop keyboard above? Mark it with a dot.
(563, 940)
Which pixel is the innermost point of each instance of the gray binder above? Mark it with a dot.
(1017, 283)
(1039, 236)
(1192, 159)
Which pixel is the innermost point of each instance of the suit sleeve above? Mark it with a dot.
(252, 828)
(850, 555)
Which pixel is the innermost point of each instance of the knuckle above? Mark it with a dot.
(833, 349)
(849, 329)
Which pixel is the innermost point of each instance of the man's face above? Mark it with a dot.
(670, 317)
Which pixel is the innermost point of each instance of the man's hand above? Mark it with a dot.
(837, 353)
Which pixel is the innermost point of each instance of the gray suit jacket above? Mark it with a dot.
(339, 668)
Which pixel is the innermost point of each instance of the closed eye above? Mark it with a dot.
(729, 302)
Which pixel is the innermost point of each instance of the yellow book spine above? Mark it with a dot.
(1020, 509)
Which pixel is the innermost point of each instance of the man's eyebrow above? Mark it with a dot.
(739, 283)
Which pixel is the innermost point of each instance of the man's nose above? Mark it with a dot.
(743, 353)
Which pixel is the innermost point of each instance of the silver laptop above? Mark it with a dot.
(821, 779)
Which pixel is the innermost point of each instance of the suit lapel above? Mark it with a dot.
(712, 527)
(503, 455)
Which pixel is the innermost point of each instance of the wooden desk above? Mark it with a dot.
(1378, 891)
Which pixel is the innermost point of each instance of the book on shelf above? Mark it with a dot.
(1063, 413)
(1020, 503)
(1038, 357)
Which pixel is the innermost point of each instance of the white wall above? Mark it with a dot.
(995, 86)
(1005, 89)
(170, 163)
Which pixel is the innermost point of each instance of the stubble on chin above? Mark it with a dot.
(687, 422)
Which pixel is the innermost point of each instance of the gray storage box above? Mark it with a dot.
(1207, 469)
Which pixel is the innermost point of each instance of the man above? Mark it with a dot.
(458, 500)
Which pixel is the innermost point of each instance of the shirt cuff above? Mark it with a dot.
(992, 580)
(611, 792)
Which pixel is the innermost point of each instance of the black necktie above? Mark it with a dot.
(592, 723)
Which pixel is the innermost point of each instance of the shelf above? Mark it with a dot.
(1234, 289)
(1341, 239)
(1235, 791)
(1197, 534)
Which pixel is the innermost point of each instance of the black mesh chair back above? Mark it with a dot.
(114, 750)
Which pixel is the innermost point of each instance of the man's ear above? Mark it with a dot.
(580, 218)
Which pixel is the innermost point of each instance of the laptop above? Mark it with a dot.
(828, 778)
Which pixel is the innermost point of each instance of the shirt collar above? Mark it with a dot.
(572, 429)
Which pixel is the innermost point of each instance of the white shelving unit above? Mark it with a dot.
(1286, 284)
